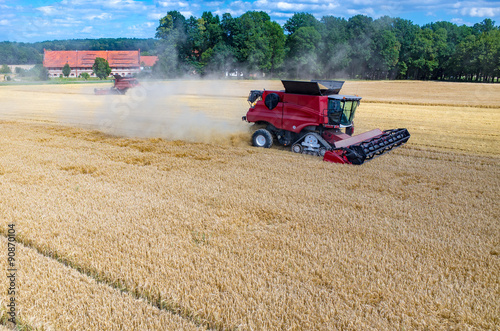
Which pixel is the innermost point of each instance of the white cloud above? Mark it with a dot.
(317, 8)
(114, 4)
(460, 21)
(4, 22)
(103, 16)
(173, 4)
(155, 16)
(48, 10)
(87, 29)
(187, 13)
(480, 12)
(289, 6)
(213, 4)
(66, 22)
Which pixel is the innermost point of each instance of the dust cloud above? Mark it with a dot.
(193, 111)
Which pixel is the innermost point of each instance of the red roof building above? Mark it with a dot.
(124, 63)
(148, 61)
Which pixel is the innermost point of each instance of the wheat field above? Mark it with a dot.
(152, 211)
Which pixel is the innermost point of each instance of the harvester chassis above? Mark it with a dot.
(310, 116)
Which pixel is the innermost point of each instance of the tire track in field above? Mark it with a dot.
(101, 278)
(429, 104)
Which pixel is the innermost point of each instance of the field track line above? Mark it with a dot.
(367, 100)
(430, 104)
(101, 278)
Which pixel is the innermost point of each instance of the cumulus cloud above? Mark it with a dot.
(48, 10)
(460, 21)
(103, 16)
(172, 4)
(155, 16)
(480, 11)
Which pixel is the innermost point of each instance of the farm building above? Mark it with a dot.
(124, 63)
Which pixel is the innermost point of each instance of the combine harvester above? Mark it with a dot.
(313, 118)
(121, 86)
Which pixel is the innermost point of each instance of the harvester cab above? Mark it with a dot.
(313, 118)
(341, 111)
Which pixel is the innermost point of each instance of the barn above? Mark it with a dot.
(124, 63)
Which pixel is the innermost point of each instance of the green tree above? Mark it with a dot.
(171, 48)
(43, 73)
(424, 53)
(5, 69)
(101, 68)
(66, 70)
(85, 75)
(334, 48)
(221, 59)
(258, 42)
(405, 32)
(202, 35)
(360, 30)
(303, 52)
(299, 20)
(168, 61)
(277, 51)
(385, 54)
(485, 26)
(486, 52)
(173, 23)
(464, 58)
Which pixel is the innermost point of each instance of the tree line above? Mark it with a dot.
(305, 47)
(32, 53)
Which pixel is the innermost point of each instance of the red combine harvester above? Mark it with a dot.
(121, 85)
(313, 118)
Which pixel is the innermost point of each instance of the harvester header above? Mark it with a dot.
(313, 118)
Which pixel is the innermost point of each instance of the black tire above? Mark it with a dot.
(262, 138)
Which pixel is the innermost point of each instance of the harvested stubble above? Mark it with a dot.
(230, 237)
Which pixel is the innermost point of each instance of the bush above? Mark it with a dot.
(5, 69)
(43, 73)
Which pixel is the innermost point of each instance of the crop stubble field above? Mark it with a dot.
(151, 211)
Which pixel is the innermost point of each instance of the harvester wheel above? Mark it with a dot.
(262, 138)
(297, 148)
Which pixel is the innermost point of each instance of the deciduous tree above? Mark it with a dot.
(66, 70)
(101, 68)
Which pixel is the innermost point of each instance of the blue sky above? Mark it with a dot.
(39, 20)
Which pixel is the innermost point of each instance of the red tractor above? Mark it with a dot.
(313, 118)
(121, 86)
